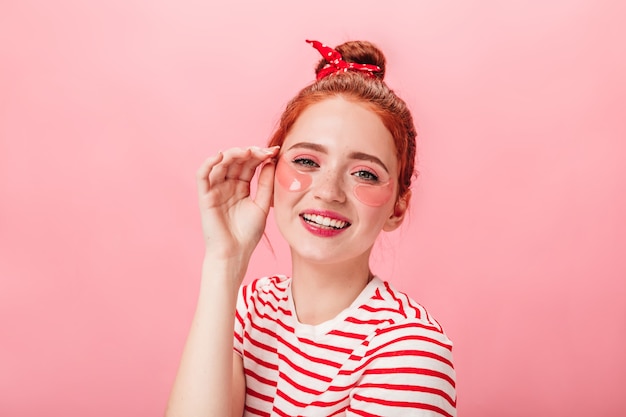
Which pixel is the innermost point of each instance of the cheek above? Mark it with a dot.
(374, 195)
(290, 179)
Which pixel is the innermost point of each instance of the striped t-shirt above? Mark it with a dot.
(382, 356)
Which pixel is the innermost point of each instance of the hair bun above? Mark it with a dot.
(360, 52)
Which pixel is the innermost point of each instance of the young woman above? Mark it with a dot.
(333, 339)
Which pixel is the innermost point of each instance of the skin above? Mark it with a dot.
(345, 140)
(297, 176)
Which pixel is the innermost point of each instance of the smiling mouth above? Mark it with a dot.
(325, 222)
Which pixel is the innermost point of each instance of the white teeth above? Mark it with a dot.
(325, 221)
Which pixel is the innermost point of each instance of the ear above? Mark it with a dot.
(399, 211)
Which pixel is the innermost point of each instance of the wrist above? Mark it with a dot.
(225, 269)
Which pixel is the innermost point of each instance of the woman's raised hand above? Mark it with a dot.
(232, 221)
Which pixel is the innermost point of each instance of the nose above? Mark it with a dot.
(329, 186)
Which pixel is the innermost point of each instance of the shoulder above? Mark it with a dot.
(406, 308)
(273, 289)
(408, 366)
(266, 284)
(411, 328)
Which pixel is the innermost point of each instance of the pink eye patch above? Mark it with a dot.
(291, 179)
(374, 195)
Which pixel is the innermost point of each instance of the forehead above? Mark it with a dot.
(343, 126)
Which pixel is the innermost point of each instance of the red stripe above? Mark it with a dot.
(370, 322)
(258, 344)
(290, 400)
(327, 404)
(274, 304)
(356, 336)
(377, 310)
(257, 412)
(410, 337)
(337, 388)
(276, 410)
(309, 357)
(263, 372)
(239, 338)
(265, 303)
(289, 345)
(273, 350)
(244, 295)
(411, 352)
(260, 361)
(416, 371)
(403, 404)
(323, 346)
(393, 295)
(260, 379)
(266, 317)
(341, 411)
(411, 324)
(297, 386)
(262, 397)
(418, 353)
(416, 307)
(303, 371)
(412, 388)
(276, 297)
(362, 413)
(239, 318)
(284, 311)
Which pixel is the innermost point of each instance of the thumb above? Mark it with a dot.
(265, 189)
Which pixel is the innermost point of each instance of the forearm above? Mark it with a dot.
(203, 385)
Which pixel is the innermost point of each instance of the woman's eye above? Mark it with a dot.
(306, 162)
(366, 175)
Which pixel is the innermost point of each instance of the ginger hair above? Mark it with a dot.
(372, 92)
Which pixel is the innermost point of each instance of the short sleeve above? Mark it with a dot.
(244, 311)
(409, 372)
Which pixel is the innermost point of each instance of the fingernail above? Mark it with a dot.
(271, 150)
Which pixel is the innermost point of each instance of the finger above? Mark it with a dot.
(259, 156)
(265, 189)
(236, 164)
(229, 167)
(242, 163)
(219, 172)
(202, 175)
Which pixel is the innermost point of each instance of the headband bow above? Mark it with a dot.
(337, 64)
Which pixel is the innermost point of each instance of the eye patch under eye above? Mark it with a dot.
(374, 195)
(291, 179)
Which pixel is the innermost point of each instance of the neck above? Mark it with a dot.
(321, 291)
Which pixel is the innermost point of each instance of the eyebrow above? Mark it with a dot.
(361, 156)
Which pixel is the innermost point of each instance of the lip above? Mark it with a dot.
(323, 231)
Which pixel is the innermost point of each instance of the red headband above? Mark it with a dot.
(337, 64)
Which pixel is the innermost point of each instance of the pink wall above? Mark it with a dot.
(517, 235)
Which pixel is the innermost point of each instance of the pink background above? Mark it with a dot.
(517, 234)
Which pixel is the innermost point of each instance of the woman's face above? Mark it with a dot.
(336, 182)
